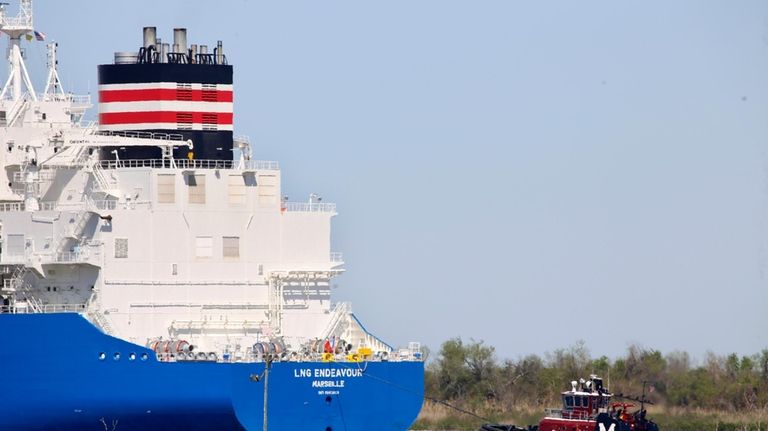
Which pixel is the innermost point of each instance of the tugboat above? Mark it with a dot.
(587, 406)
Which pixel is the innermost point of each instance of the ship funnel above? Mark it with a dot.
(150, 36)
(180, 39)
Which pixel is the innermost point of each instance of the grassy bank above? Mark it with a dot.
(439, 417)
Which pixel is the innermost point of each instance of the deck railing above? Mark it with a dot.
(314, 207)
(12, 206)
(267, 165)
(45, 308)
(336, 257)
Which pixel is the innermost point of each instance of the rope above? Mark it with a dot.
(428, 398)
(458, 409)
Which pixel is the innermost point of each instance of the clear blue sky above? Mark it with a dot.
(526, 173)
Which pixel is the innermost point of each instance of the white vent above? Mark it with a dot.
(121, 248)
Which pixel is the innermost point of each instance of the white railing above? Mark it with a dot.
(70, 257)
(266, 165)
(337, 257)
(75, 99)
(17, 21)
(80, 99)
(49, 206)
(142, 135)
(104, 204)
(315, 207)
(12, 206)
(44, 308)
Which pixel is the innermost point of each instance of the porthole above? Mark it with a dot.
(102, 356)
(116, 356)
(144, 356)
(132, 357)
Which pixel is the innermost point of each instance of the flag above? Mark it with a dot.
(39, 35)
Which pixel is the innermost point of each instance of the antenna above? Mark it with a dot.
(53, 88)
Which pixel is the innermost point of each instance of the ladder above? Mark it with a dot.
(338, 316)
(20, 287)
(74, 232)
(96, 316)
(105, 183)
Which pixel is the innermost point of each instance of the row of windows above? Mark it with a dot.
(166, 189)
(576, 401)
(230, 247)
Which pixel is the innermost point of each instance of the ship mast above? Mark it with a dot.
(15, 28)
(53, 88)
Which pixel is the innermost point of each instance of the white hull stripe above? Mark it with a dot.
(162, 85)
(171, 127)
(166, 105)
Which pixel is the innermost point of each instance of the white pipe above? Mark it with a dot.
(150, 36)
(180, 38)
(15, 68)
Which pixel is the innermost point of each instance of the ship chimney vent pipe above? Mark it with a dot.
(150, 36)
(203, 49)
(193, 48)
(219, 52)
(159, 49)
(180, 39)
(164, 48)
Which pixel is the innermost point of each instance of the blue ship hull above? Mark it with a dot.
(55, 378)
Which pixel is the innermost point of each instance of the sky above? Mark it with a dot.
(529, 174)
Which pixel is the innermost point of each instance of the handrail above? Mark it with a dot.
(267, 165)
(314, 207)
(142, 135)
(336, 257)
(12, 206)
(44, 308)
(75, 99)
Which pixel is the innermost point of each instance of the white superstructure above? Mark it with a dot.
(204, 251)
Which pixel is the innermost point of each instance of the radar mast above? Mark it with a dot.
(15, 28)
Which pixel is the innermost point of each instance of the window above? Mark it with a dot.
(196, 189)
(236, 190)
(231, 246)
(267, 188)
(121, 248)
(166, 188)
(204, 247)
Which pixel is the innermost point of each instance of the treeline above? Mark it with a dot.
(469, 374)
